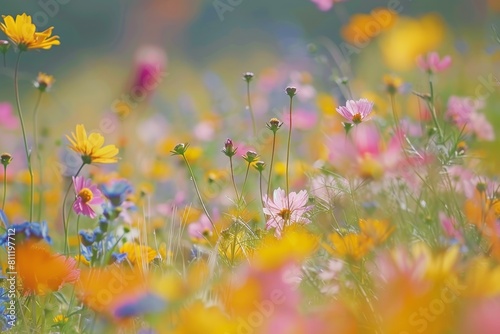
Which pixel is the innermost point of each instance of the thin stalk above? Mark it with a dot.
(4, 186)
(65, 220)
(21, 120)
(433, 110)
(232, 178)
(261, 194)
(271, 165)
(199, 194)
(244, 184)
(249, 107)
(38, 155)
(288, 155)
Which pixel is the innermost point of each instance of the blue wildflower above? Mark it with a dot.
(117, 191)
(26, 231)
(147, 303)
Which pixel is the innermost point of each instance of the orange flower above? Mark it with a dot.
(104, 289)
(42, 271)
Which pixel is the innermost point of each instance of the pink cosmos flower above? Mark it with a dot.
(284, 210)
(432, 63)
(356, 111)
(201, 229)
(88, 197)
(325, 5)
(463, 112)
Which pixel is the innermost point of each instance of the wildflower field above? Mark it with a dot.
(239, 167)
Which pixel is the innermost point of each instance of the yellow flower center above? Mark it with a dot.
(356, 119)
(86, 195)
(285, 214)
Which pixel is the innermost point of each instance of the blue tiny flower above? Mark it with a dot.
(27, 230)
(148, 303)
(117, 191)
(118, 257)
(87, 238)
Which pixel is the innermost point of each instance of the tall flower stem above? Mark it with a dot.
(191, 174)
(4, 186)
(244, 184)
(38, 155)
(23, 129)
(271, 165)
(287, 166)
(232, 177)
(249, 107)
(65, 219)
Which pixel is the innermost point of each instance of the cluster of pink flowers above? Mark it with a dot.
(463, 111)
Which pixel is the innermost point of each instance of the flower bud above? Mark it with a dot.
(248, 76)
(180, 149)
(251, 156)
(274, 124)
(291, 91)
(5, 159)
(229, 148)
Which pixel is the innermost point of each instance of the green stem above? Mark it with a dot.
(433, 110)
(288, 156)
(4, 186)
(271, 165)
(261, 195)
(65, 220)
(38, 155)
(232, 178)
(244, 184)
(249, 106)
(199, 194)
(21, 120)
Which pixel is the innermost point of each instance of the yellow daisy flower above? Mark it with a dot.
(91, 148)
(23, 33)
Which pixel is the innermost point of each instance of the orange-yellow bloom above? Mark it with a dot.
(42, 271)
(22, 32)
(91, 148)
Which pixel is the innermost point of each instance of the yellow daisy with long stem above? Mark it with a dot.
(90, 148)
(22, 32)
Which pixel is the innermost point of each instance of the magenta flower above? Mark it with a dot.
(285, 210)
(432, 64)
(325, 5)
(356, 111)
(88, 197)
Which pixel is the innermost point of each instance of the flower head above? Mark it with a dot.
(285, 210)
(87, 197)
(22, 32)
(91, 148)
(27, 231)
(44, 82)
(431, 63)
(4, 46)
(41, 270)
(356, 111)
(201, 230)
(117, 191)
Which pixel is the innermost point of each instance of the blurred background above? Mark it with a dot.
(194, 52)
